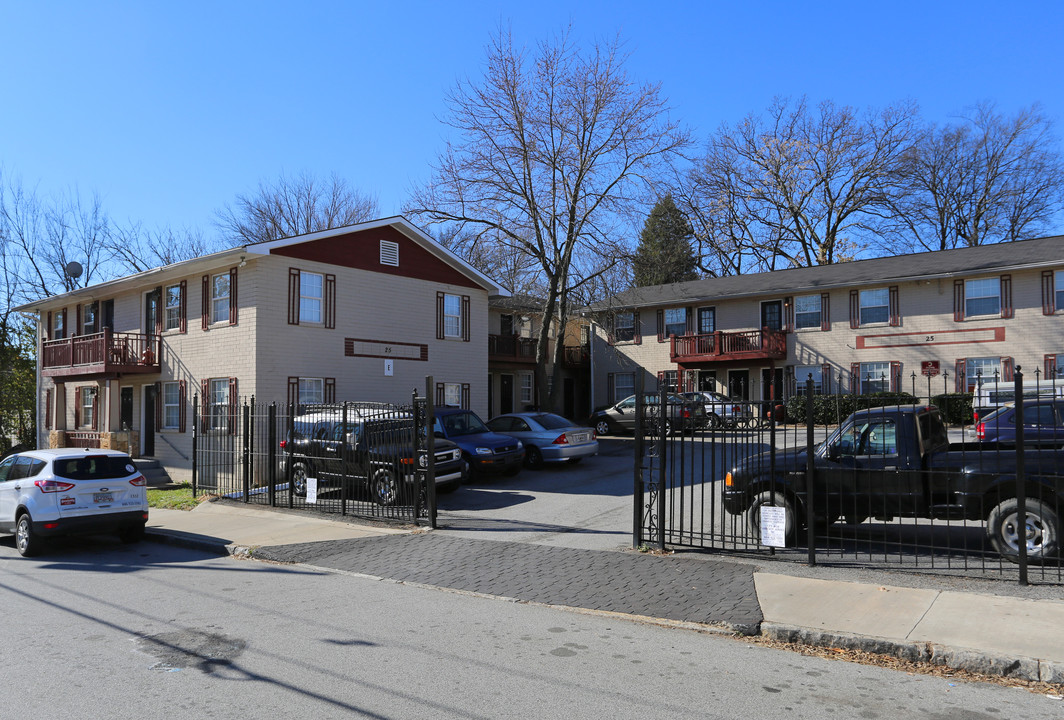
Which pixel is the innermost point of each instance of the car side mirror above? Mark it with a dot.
(619, 409)
(833, 452)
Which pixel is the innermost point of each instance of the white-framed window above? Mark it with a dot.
(526, 387)
(807, 312)
(982, 371)
(1058, 280)
(220, 298)
(675, 321)
(172, 405)
(88, 407)
(801, 375)
(389, 253)
(624, 326)
(452, 317)
(875, 377)
(88, 318)
(707, 320)
(311, 391)
(218, 401)
(452, 394)
(875, 306)
(172, 298)
(623, 386)
(311, 289)
(669, 380)
(982, 297)
(58, 325)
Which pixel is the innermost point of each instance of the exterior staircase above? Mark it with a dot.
(154, 473)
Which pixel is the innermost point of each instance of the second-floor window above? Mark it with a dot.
(311, 289)
(707, 320)
(88, 319)
(1059, 287)
(220, 298)
(624, 326)
(173, 307)
(807, 312)
(452, 316)
(982, 297)
(875, 306)
(59, 325)
(675, 321)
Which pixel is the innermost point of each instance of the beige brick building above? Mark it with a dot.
(364, 312)
(961, 316)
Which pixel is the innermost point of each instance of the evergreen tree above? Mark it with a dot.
(664, 254)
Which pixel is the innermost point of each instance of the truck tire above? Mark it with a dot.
(1042, 533)
(753, 515)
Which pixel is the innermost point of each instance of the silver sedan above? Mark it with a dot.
(547, 437)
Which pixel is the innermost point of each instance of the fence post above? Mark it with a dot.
(195, 443)
(245, 456)
(288, 464)
(663, 418)
(345, 456)
(637, 490)
(271, 452)
(810, 515)
(1021, 479)
(429, 409)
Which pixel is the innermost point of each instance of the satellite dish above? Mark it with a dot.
(73, 269)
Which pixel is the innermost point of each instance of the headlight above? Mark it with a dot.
(519, 445)
(423, 460)
(483, 451)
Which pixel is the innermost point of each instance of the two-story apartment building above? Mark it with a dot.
(514, 325)
(960, 316)
(363, 312)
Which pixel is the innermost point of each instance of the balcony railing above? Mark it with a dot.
(512, 348)
(83, 439)
(101, 353)
(577, 356)
(720, 346)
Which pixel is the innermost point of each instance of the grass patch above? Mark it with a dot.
(178, 498)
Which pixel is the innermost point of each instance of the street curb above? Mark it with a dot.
(975, 661)
(176, 538)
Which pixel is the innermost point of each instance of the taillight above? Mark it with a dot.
(561, 440)
(139, 481)
(53, 486)
(594, 435)
(736, 409)
(728, 480)
(406, 461)
(284, 444)
(686, 413)
(980, 431)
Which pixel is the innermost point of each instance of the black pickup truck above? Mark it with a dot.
(897, 461)
(377, 453)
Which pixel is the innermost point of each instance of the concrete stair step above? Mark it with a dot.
(154, 473)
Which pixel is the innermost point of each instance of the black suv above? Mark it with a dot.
(378, 452)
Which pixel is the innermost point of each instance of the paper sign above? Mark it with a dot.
(312, 490)
(773, 526)
(389, 368)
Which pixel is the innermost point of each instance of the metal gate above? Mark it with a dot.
(857, 508)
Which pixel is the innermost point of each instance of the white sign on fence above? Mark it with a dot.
(773, 526)
(312, 490)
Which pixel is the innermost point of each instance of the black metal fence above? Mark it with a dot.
(370, 460)
(889, 484)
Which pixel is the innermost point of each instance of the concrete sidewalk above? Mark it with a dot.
(989, 634)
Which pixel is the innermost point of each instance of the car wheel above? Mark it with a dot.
(778, 499)
(299, 479)
(533, 457)
(26, 539)
(713, 421)
(131, 535)
(602, 427)
(385, 486)
(1042, 534)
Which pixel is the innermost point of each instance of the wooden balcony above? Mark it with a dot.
(100, 354)
(729, 346)
(576, 356)
(512, 348)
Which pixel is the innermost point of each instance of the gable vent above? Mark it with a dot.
(389, 253)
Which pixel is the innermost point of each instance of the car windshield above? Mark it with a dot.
(460, 424)
(94, 467)
(550, 421)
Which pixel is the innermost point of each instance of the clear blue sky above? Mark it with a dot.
(170, 109)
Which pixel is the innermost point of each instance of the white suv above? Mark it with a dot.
(70, 491)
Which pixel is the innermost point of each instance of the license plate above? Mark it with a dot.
(579, 438)
(103, 497)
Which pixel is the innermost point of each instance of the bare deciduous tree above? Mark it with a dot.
(295, 206)
(137, 249)
(551, 147)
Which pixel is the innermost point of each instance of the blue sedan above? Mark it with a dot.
(547, 437)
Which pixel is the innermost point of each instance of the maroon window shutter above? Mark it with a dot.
(610, 391)
(182, 394)
(96, 410)
(1049, 299)
(959, 370)
(611, 323)
(158, 406)
(895, 311)
(465, 318)
(233, 305)
(48, 327)
(1006, 370)
(77, 407)
(637, 329)
(183, 311)
(1051, 367)
(661, 325)
(330, 301)
(788, 314)
(855, 377)
(293, 390)
(441, 395)
(661, 378)
(205, 303)
(439, 315)
(160, 311)
(233, 402)
(204, 403)
(895, 376)
(958, 300)
(690, 326)
(77, 326)
(825, 312)
(825, 378)
(790, 382)
(66, 328)
(855, 310)
(293, 296)
(330, 390)
(1006, 297)
(48, 409)
(465, 396)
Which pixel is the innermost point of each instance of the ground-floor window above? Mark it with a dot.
(623, 386)
(875, 377)
(88, 407)
(526, 387)
(669, 380)
(171, 405)
(311, 391)
(801, 375)
(982, 371)
(218, 403)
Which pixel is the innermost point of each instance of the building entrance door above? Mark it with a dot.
(506, 394)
